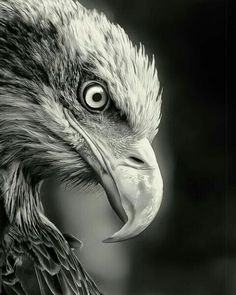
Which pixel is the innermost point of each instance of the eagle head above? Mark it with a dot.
(80, 102)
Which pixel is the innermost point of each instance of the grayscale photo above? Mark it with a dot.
(114, 148)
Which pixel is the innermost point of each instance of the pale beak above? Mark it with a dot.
(133, 184)
(134, 189)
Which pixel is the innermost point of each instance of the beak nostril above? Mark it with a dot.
(136, 160)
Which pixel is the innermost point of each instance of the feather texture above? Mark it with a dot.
(41, 262)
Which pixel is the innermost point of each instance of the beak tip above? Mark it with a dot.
(115, 239)
(109, 240)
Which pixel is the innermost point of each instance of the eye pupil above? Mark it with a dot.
(97, 97)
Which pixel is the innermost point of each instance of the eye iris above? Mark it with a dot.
(94, 96)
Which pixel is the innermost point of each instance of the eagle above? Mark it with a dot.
(80, 103)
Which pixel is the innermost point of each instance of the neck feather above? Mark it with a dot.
(20, 196)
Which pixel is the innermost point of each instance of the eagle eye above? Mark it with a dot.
(94, 96)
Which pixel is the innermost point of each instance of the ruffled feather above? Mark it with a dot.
(42, 262)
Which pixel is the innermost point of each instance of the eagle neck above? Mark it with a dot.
(21, 197)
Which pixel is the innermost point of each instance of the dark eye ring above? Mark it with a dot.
(94, 96)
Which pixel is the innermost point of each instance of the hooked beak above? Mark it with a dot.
(133, 184)
(134, 190)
